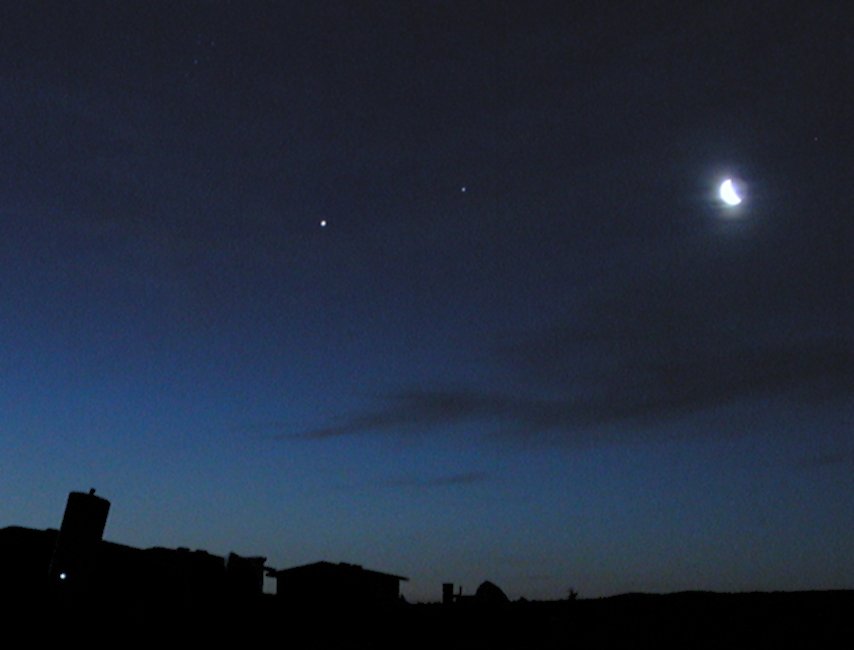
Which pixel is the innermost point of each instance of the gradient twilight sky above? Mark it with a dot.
(529, 344)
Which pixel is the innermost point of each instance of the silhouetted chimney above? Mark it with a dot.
(447, 593)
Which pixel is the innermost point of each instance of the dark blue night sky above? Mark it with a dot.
(445, 289)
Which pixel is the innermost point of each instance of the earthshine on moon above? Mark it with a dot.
(728, 193)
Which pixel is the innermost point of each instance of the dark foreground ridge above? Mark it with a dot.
(71, 585)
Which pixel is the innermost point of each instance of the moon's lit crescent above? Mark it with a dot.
(728, 193)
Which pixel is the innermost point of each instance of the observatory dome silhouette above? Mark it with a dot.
(490, 594)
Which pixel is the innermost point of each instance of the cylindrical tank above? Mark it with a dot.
(77, 544)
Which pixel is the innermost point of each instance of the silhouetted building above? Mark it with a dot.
(182, 578)
(245, 575)
(325, 584)
(24, 560)
(75, 567)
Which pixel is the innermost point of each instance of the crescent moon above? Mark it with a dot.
(728, 193)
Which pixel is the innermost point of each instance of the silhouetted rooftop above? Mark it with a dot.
(331, 567)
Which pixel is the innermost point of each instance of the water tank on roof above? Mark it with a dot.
(79, 536)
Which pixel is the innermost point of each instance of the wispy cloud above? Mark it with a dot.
(829, 459)
(644, 394)
(460, 479)
(449, 480)
(684, 331)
